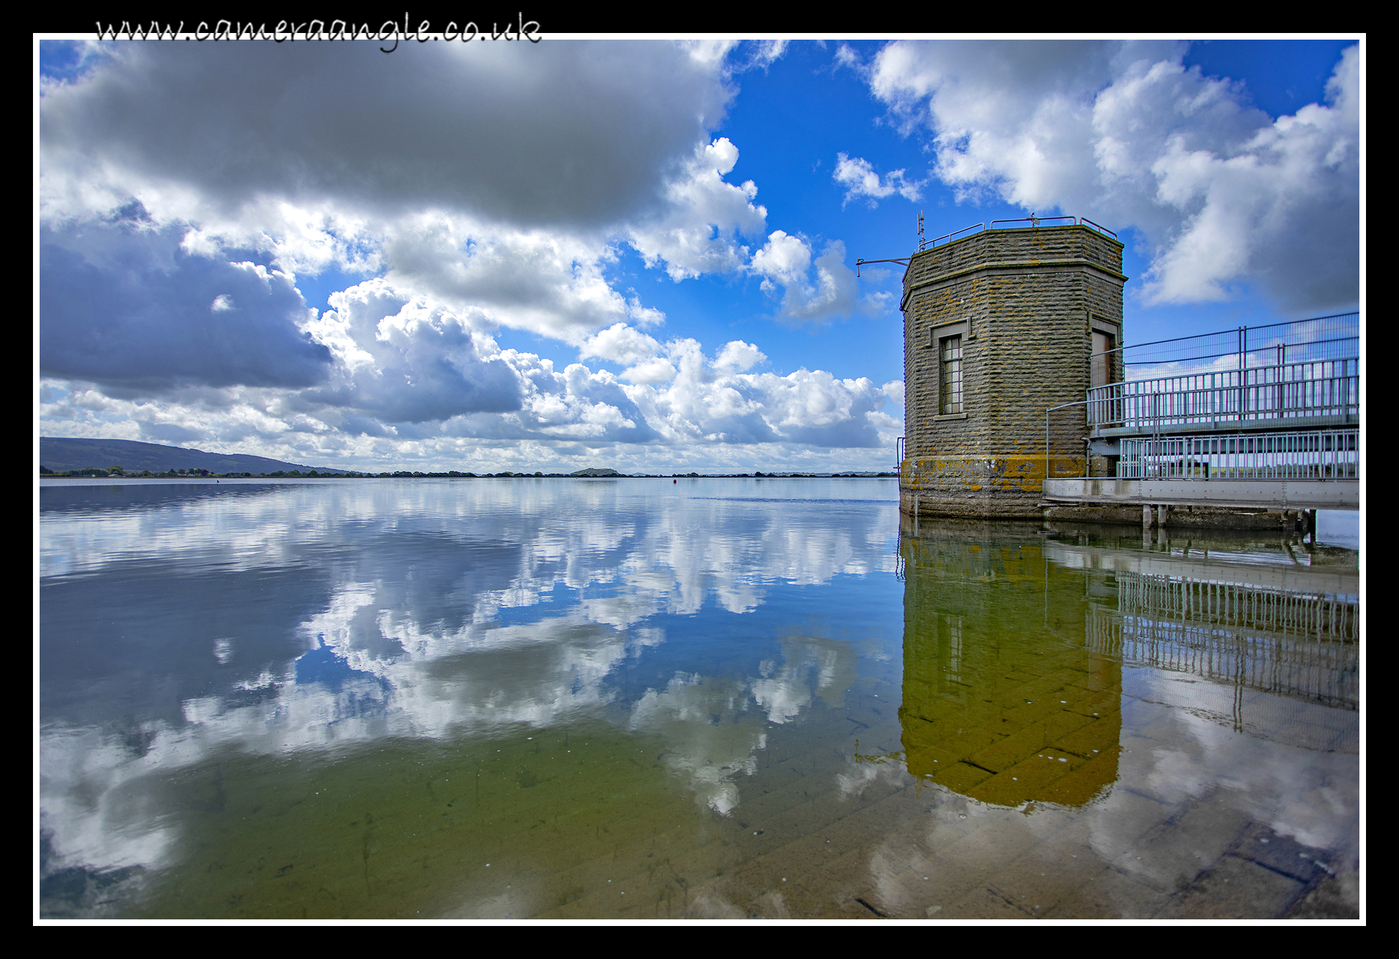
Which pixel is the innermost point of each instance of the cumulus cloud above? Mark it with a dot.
(860, 179)
(699, 232)
(405, 361)
(739, 356)
(126, 307)
(566, 133)
(714, 402)
(832, 291)
(415, 375)
(496, 180)
(184, 197)
(548, 283)
(621, 344)
(680, 396)
(784, 259)
(1125, 134)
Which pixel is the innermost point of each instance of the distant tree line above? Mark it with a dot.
(406, 474)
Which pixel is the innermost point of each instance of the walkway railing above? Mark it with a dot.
(1321, 392)
(1323, 670)
(1319, 338)
(1294, 643)
(1310, 454)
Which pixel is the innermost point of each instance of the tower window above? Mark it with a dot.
(950, 378)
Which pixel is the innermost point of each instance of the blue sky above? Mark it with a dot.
(639, 253)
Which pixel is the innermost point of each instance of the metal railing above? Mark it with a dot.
(1308, 392)
(925, 244)
(1272, 344)
(1318, 670)
(1296, 644)
(1312, 454)
(1034, 222)
(1322, 616)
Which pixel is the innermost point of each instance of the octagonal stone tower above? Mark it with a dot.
(1000, 327)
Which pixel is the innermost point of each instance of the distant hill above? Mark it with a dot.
(62, 454)
(595, 471)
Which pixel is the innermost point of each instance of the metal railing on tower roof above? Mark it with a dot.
(1035, 222)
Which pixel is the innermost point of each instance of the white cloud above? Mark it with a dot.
(1124, 134)
(167, 319)
(492, 180)
(699, 231)
(786, 261)
(836, 290)
(184, 199)
(767, 52)
(894, 390)
(783, 259)
(739, 356)
(545, 282)
(438, 393)
(404, 375)
(425, 363)
(620, 343)
(570, 135)
(860, 179)
(847, 57)
(709, 51)
(652, 371)
(504, 204)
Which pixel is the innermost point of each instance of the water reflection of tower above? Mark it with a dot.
(1004, 700)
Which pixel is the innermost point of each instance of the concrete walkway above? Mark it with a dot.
(1261, 494)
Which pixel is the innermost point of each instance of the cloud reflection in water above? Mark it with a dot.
(427, 609)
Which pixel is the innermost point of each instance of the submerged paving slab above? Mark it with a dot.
(1234, 888)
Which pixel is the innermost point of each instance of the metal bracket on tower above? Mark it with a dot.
(922, 245)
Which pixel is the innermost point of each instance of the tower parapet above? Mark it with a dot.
(1000, 327)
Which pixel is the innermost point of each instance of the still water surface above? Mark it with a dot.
(711, 698)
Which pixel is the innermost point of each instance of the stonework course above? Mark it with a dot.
(998, 329)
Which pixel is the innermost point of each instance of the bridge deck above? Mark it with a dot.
(1245, 493)
(1285, 436)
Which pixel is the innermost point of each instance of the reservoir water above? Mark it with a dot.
(711, 698)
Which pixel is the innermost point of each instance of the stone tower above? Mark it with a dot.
(1000, 327)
